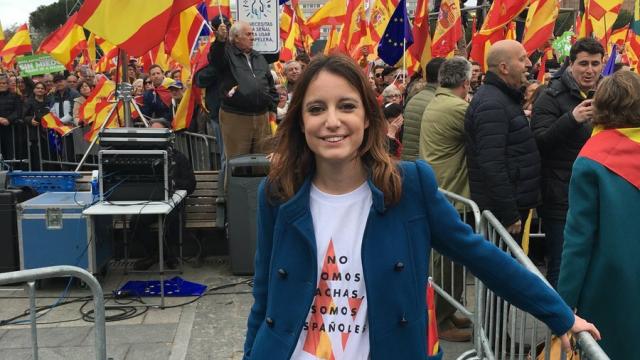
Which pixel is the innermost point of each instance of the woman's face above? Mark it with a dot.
(138, 88)
(333, 119)
(148, 84)
(85, 90)
(39, 90)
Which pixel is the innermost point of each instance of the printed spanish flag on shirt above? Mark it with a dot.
(51, 121)
(617, 150)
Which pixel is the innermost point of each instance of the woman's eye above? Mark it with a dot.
(348, 106)
(315, 109)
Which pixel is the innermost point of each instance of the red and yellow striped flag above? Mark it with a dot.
(134, 26)
(511, 31)
(100, 94)
(108, 61)
(184, 113)
(332, 41)
(65, 43)
(286, 21)
(51, 121)
(617, 150)
(381, 12)
(448, 29)
(217, 7)
(501, 13)
(421, 49)
(632, 49)
(597, 9)
(331, 13)
(433, 344)
(2, 40)
(539, 25)
(19, 44)
(288, 51)
(182, 35)
(602, 15)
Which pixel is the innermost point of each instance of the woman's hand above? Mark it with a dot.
(579, 325)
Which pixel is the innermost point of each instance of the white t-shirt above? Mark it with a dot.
(337, 327)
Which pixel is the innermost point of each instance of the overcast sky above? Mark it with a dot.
(17, 11)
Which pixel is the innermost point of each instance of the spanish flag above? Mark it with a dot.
(286, 21)
(421, 49)
(134, 26)
(448, 29)
(156, 56)
(2, 40)
(102, 110)
(617, 150)
(381, 11)
(217, 7)
(108, 61)
(100, 94)
(186, 108)
(331, 13)
(501, 13)
(332, 41)
(65, 43)
(19, 44)
(182, 35)
(539, 25)
(433, 344)
(51, 121)
(288, 51)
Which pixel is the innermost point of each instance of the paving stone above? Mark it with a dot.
(136, 334)
(163, 316)
(157, 351)
(49, 337)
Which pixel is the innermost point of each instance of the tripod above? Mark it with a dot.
(124, 93)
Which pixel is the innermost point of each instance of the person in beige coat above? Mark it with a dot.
(442, 146)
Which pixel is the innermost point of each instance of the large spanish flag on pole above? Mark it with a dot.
(448, 29)
(182, 35)
(541, 20)
(19, 44)
(65, 43)
(134, 26)
(501, 13)
(421, 49)
(380, 13)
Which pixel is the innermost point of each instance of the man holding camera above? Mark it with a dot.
(560, 123)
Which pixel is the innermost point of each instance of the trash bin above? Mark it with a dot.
(244, 174)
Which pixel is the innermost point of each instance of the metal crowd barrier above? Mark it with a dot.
(31, 148)
(444, 285)
(30, 276)
(506, 332)
(201, 149)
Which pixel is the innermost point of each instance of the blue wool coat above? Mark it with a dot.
(395, 257)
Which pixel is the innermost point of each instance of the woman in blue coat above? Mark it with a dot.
(600, 272)
(344, 236)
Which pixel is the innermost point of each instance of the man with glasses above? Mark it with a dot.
(379, 79)
(47, 79)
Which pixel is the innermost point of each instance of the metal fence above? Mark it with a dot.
(36, 149)
(30, 276)
(506, 332)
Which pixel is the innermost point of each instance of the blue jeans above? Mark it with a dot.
(554, 239)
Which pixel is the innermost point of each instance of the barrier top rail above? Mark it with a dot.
(61, 271)
(585, 341)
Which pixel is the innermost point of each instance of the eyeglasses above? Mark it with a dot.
(378, 75)
(394, 96)
(147, 82)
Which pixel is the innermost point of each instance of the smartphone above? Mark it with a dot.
(590, 94)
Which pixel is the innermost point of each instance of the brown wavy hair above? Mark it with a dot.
(293, 161)
(616, 102)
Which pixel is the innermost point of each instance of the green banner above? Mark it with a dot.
(31, 65)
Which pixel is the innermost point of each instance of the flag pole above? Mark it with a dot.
(124, 86)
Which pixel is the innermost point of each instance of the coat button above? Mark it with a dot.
(269, 322)
(399, 266)
(282, 273)
(403, 321)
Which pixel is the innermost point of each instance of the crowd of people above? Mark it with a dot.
(499, 138)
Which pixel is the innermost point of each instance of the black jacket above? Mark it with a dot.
(502, 157)
(182, 173)
(560, 138)
(34, 109)
(256, 92)
(10, 106)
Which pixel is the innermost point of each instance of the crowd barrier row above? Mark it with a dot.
(32, 148)
(500, 330)
(32, 275)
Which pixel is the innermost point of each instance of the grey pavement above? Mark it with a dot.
(211, 328)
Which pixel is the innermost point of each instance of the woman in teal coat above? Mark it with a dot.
(600, 271)
(344, 236)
